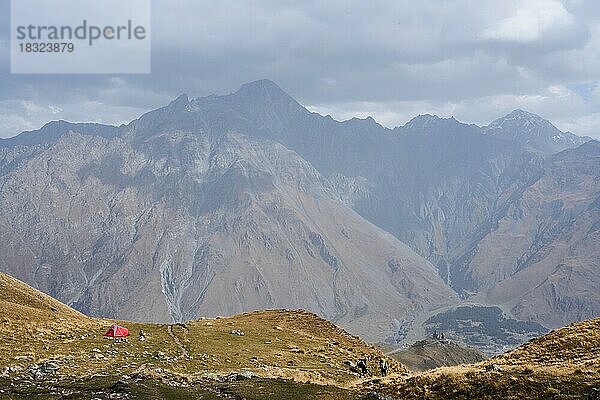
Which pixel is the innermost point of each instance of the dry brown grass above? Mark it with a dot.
(514, 383)
(576, 346)
(564, 364)
(293, 345)
(276, 343)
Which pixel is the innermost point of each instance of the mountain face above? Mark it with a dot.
(433, 183)
(186, 223)
(224, 204)
(542, 260)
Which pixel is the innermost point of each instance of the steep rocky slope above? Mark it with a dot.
(436, 184)
(178, 224)
(542, 259)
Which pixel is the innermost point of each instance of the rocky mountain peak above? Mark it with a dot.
(525, 123)
(260, 86)
(523, 114)
(533, 131)
(421, 121)
(263, 91)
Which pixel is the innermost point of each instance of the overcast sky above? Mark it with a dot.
(392, 59)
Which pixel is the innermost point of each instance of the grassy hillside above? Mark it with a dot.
(49, 351)
(564, 364)
(292, 345)
(20, 302)
(576, 346)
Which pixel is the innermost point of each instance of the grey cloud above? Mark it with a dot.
(390, 56)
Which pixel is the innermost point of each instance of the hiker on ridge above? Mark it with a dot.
(383, 366)
(362, 365)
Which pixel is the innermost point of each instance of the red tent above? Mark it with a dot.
(117, 331)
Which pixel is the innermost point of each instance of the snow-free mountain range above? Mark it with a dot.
(224, 204)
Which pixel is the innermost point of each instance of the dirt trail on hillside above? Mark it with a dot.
(184, 352)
